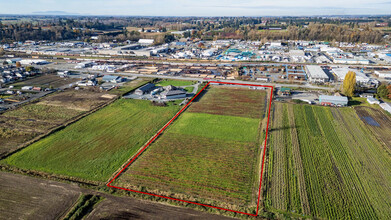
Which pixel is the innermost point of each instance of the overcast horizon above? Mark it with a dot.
(197, 8)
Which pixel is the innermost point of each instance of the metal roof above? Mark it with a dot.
(333, 98)
(173, 92)
(315, 71)
(146, 87)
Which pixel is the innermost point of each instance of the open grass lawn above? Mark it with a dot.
(231, 101)
(175, 83)
(328, 163)
(96, 146)
(202, 157)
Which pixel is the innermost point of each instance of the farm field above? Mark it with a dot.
(94, 147)
(230, 101)
(203, 157)
(377, 122)
(29, 121)
(46, 81)
(327, 163)
(23, 197)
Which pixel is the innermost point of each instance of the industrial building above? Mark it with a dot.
(146, 41)
(112, 79)
(361, 78)
(333, 100)
(383, 74)
(145, 89)
(84, 65)
(316, 74)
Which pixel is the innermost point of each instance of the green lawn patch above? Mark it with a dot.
(175, 83)
(217, 126)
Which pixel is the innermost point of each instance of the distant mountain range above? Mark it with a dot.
(54, 13)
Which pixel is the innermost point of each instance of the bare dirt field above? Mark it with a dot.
(125, 208)
(47, 81)
(24, 197)
(231, 101)
(81, 100)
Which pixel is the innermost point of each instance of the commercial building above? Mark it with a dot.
(316, 74)
(333, 100)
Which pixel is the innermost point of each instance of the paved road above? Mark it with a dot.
(87, 71)
(234, 81)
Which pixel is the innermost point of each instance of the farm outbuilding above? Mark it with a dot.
(174, 94)
(285, 91)
(372, 100)
(333, 100)
(145, 89)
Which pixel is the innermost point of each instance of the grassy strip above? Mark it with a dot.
(173, 82)
(83, 207)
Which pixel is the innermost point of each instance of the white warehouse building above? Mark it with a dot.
(383, 74)
(361, 78)
(316, 74)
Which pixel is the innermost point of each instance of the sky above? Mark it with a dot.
(198, 7)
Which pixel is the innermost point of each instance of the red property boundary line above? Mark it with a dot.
(161, 130)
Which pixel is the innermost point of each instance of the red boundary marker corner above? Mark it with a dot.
(161, 130)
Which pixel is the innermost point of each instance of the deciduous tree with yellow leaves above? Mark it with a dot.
(349, 84)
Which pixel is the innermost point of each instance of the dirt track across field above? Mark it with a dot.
(24, 197)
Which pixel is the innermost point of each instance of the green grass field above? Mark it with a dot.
(217, 126)
(209, 158)
(175, 83)
(96, 146)
(326, 163)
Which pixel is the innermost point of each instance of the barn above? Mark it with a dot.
(333, 100)
(174, 94)
(145, 89)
